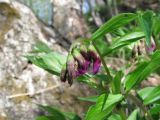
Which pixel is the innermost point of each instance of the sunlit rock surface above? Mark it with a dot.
(64, 15)
(68, 19)
(21, 83)
(43, 9)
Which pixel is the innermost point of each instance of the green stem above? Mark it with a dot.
(122, 113)
(103, 61)
(156, 42)
(138, 103)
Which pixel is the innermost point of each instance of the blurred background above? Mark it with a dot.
(57, 23)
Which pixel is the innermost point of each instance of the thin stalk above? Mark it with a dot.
(156, 42)
(138, 103)
(103, 61)
(122, 113)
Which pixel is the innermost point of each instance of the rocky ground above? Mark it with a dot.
(22, 84)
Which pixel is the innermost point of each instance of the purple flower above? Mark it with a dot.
(82, 69)
(84, 52)
(83, 63)
(151, 48)
(79, 61)
(95, 58)
(96, 62)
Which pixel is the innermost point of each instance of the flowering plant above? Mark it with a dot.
(80, 60)
(120, 97)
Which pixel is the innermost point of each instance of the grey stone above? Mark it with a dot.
(21, 83)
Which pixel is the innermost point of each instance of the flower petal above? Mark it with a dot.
(96, 65)
(83, 64)
(96, 60)
(84, 52)
(151, 48)
(78, 57)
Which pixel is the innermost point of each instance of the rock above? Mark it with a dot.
(21, 83)
(7, 15)
(68, 19)
(4, 1)
(43, 9)
(65, 16)
(152, 80)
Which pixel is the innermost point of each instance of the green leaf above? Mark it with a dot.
(46, 118)
(120, 31)
(145, 92)
(114, 23)
(51, 62)
(89, 99)
(101, 44)
(103, 106)
(150, 94)
(54, 61)
(142, 71)
(145, 20)
(124, 41)
(155, 109)
(133, 115)
(133, 77)
(42, 118)
(71, 116)
(156, 25)
(86, 79)
(101, 77)
(97, 109)
(41, 47)
(56, 114)
(116, 83)
(115, 117)
(112, 99)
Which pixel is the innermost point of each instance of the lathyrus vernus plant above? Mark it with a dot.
(120, 96)
(80, 60)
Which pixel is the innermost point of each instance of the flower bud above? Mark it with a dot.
(79, 61)
(78, 57)
(95, 58)
(82, 62)
(71, 68)
(63, 74)
(152, 47)
(84, 52)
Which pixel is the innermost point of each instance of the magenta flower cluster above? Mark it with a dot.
(80, 60)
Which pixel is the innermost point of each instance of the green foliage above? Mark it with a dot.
(125, 40)
(150, 94)
(41, 47)
(117, 90)
(155, 109)
(133, 115)
(116, 83)
(89, 99)
(55, 114)
(43, 57)
(115, 117)
(142, 71)
(114, 23)
(103, 106)
(156, 25)
(146, 22)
